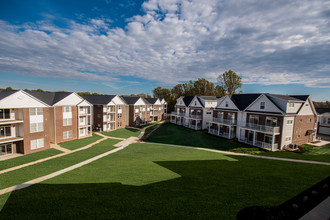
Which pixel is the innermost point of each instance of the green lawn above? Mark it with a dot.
(146, 181)
(78, 143)
(31, 172)
(5, 164)
(123, 133)
(179, 135)
(150, 129)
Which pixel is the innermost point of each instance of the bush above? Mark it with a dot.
(305, 148)
(247, 150)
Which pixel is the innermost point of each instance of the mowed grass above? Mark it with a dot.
(78, 143)
(34, 171)
(123, 133)
(5, 164)
(150, 129)
(161, 182)
(179, 135)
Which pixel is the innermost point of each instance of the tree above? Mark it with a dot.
(230, 81)
(9, 88)
(219, 91)
(143, 95)
(161, 93)
(188, 88)
(37, 90)
(203, 87)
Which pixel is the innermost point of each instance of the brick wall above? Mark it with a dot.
(302, 123)
(123, 118)
(26, 148)
(59, 124)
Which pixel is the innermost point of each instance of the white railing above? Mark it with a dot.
(223, 134)
(178, 114)
(224, 121)
(262, 128)
(195, 116)
(260, 144)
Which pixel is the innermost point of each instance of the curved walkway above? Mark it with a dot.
(246, 155)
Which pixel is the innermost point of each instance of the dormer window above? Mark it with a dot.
(180, 102)
(195, 103)
(226, 104)
(291, 105)
(262, 105)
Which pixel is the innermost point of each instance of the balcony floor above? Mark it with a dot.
(10, 139)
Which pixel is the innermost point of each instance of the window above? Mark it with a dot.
(4, 114)
(231, 117)
(291, 105)
(37, 143)
(226, 104)
(180, 102)
(119, 124)
(6, 149)
(136, 115)
(195, 103)
(262, 105)
(81, 108)
(67, 109)
(5, 131)
(81, 131)
(268, 139)
(119, 107)
(36, 127)
(254, 119)
(287, 138)
(81, 120)
(289, 122)
(67, 121)
(67, 134)
(119, 115)
(271, 121)
(36, 111)
(220, 115)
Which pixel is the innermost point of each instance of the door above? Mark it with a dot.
(250, 137)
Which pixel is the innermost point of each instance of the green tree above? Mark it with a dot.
(188, 88)
(219, 91)
(162, 93)
(230, 81)
(9, 88)
(204, 87)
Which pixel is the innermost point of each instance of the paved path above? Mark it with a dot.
(106, 136)
(246, 155)
(127, 142)
(49, 158)
(43, 178)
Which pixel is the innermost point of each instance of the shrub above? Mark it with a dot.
(247, 150)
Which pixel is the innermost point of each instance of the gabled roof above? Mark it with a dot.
(130, 100)
(151, 100)
(288, 97)
(5, 93)
(99, 99)
(322, 110)
(242, 101)
(50, 98)
(300, 97)
(187, 100)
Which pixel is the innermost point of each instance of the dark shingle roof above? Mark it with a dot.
(99, 99)
(130, 100)
(151, 100)
(187, 100)
(242, 101)
(50, 98)
(322, 110)
(300, 97)
(5, 93)
(286, 97)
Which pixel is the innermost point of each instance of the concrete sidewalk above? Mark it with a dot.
(246, 155)
(43, 178)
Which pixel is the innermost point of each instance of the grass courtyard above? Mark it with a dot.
(173, 134)
(78, 143)
(123, 133)
(150, 181)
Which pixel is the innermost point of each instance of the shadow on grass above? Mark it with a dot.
(206, 190)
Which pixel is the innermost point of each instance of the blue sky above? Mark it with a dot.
(124, 47)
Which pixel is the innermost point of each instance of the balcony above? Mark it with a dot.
(263, 145)
(222, 134)
(2, 122)
(262, 128)
(195, 116)
(198, 127)
(178, 114)
(224, 121)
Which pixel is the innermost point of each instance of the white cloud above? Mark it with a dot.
(268, 42)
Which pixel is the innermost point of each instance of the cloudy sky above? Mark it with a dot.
(132, 46)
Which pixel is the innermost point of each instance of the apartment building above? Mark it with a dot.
(110, 112)
(32, 121)
(156, 109)
(164, 108)
(323, 115)
(139, 110)
(193, 111)
(268, 121)
(69, 115)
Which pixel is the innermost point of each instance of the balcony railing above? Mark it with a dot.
(224, 121)
(178, 114)
(195, 116)
(222, 134)
(198, 127)
(263, 128)
(260, 144)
